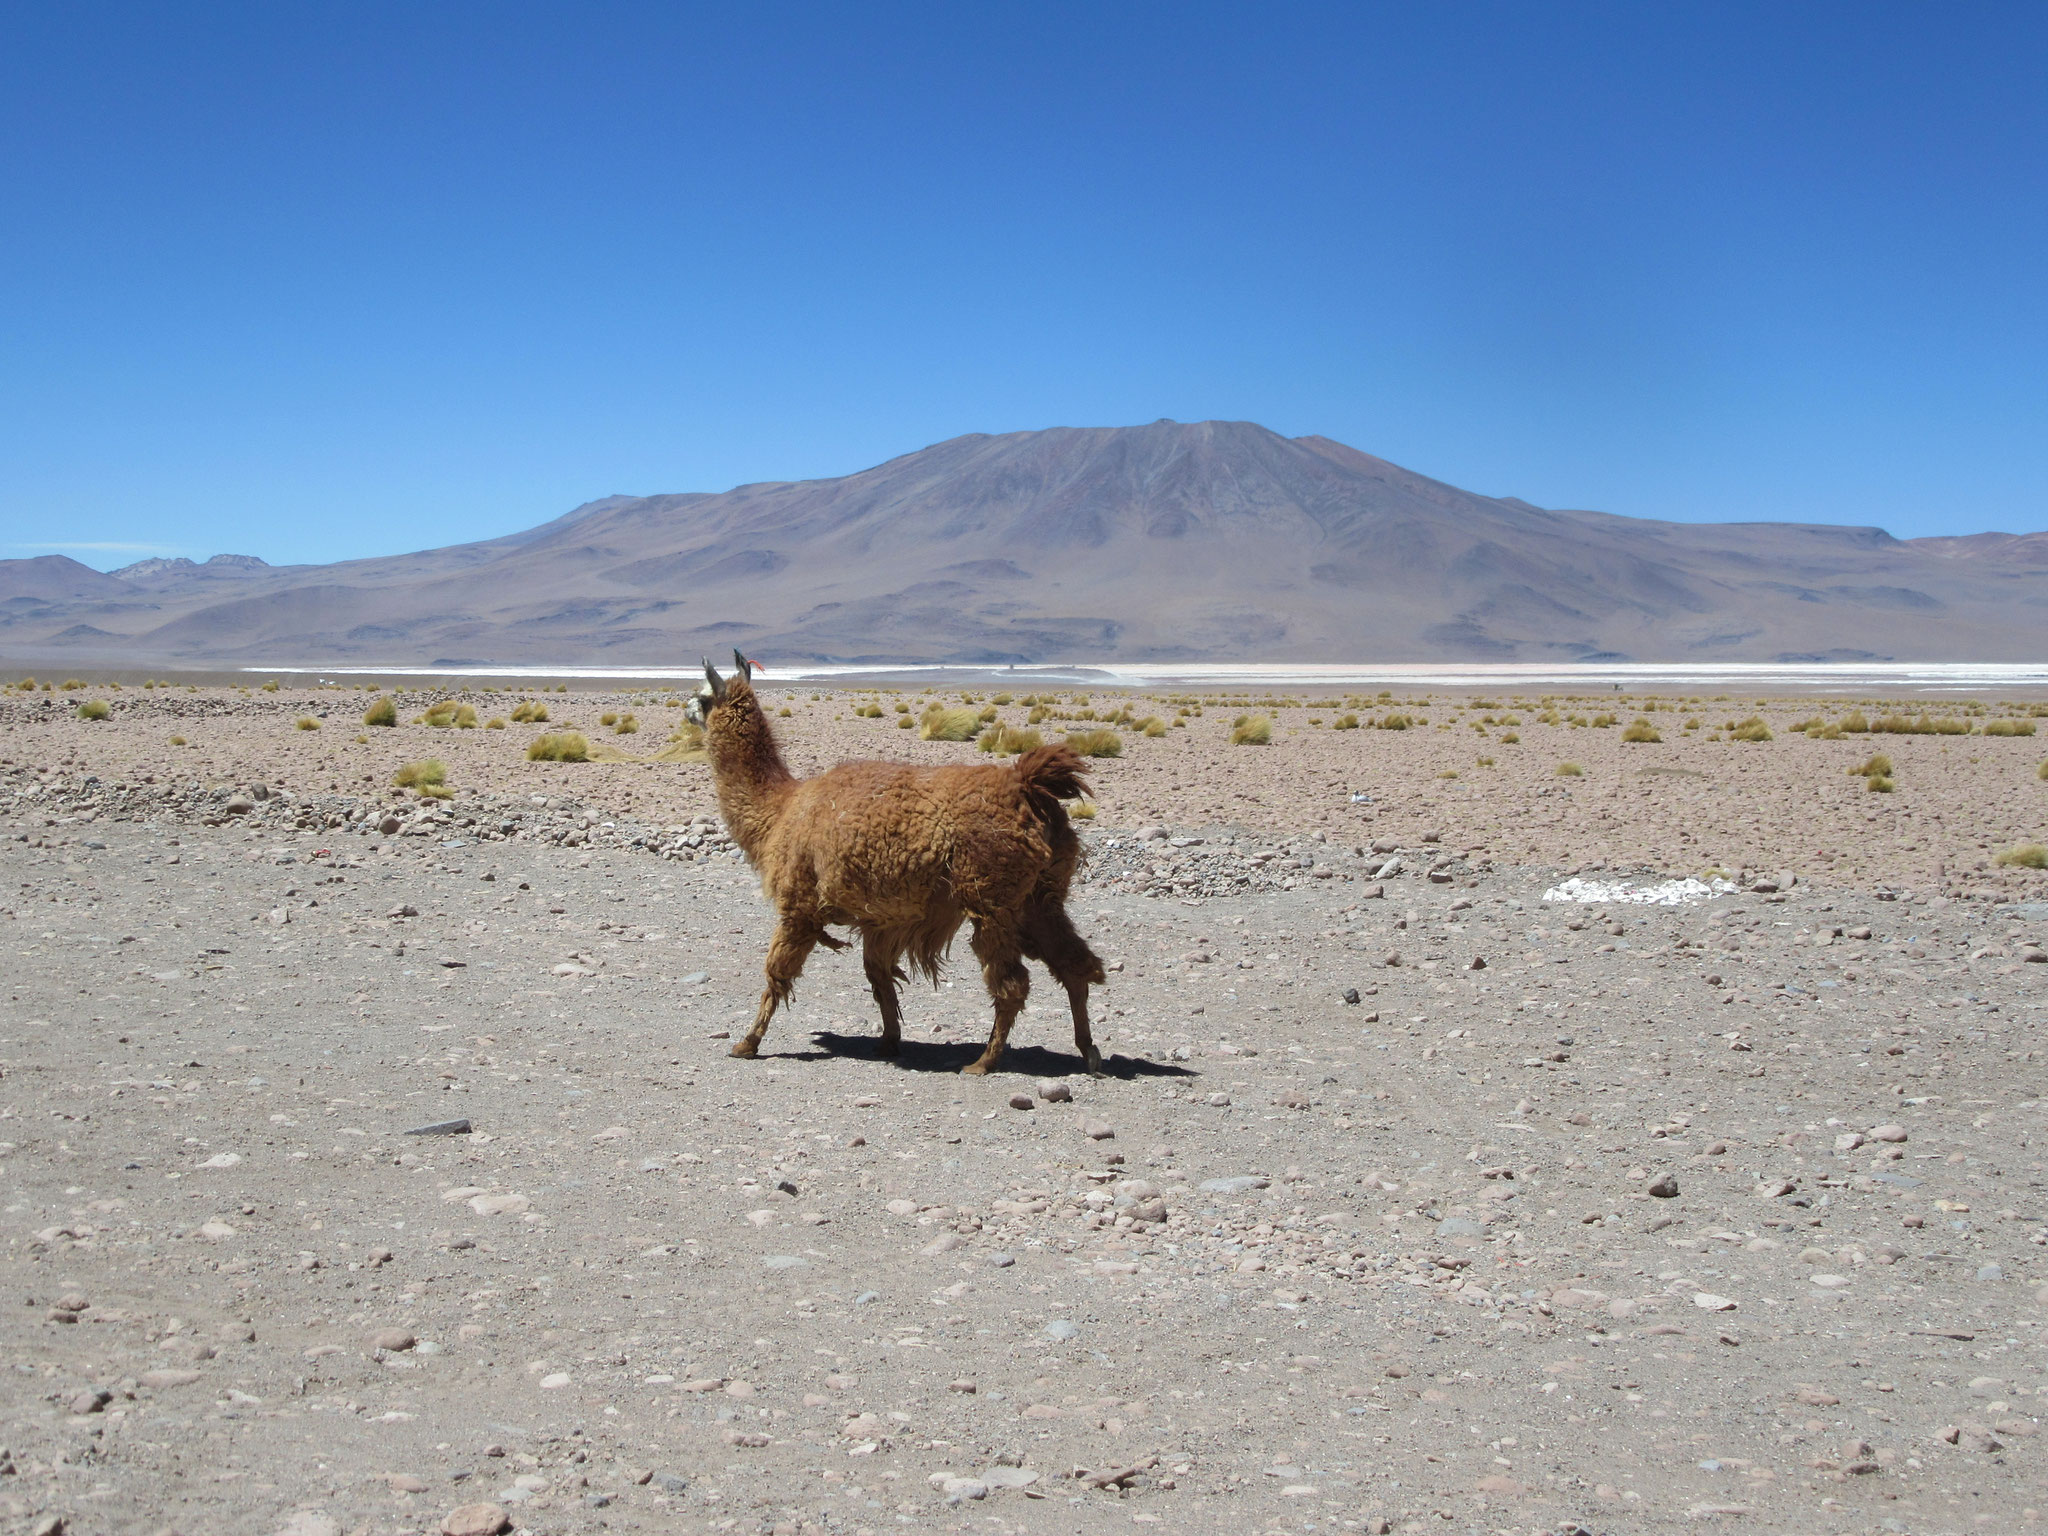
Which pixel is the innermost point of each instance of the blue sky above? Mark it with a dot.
(312, 282)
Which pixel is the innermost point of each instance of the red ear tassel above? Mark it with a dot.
(755, 665)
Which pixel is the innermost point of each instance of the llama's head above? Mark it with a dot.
(717, 690)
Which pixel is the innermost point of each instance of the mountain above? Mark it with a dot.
(1206, 541)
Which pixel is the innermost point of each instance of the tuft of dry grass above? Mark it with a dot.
(1345, 723)
(1510, 737)
(1151, 725)
(1752, 729)
(1879, 784)
(529, 712)
(627, 725)
(308, 723)
(1396, 722)
(2008, 728)
(1097, 743)
(559, 747)
(1877, 765)
(1570, 771)
(179, 741)
(424, 774)
(495, 723)
(1082, 810)
(943, 724)
(1854, 723)
(1008, 740)
(1641, 730)
(94, 709)
(2025, 856)
(383, 712)
(1251, 731)
(2042, 771)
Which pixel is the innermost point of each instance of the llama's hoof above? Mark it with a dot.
(745, 1048)
(975, 1069)
(888, 1047)
(1094, 1063)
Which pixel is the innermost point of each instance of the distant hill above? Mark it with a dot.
(1213, 540)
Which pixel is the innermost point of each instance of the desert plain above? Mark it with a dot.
(371, 1162)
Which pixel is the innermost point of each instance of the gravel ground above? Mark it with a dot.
(1726, 1215)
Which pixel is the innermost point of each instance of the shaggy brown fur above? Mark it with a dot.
(904, 855)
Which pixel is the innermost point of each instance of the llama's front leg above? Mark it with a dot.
(1084, 1037)
(882, 982)
(1002, 969)
(787, 952)
(1049, 935)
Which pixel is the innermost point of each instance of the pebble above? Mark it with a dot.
(475, 1520)
(1061, 1330)
(392, 1339)
(1888, 1133)
(1237, 1184)
(1707, 1301)
(1097, 1130)
(1055, 1092)
(1022, 1101)
(405, 1482)
(1664, 1187)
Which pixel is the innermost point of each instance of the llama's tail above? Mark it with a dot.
(1049, 775)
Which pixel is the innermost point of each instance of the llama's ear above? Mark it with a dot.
(744, 667)
(711, 676)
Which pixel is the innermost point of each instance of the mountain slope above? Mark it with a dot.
(1210, 540)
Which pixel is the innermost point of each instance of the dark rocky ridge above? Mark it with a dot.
(1203, 541)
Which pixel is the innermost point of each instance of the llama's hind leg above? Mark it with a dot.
(787, 952)
(882, 978)
(1002, 968)
(1049, 936)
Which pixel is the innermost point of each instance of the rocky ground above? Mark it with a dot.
(1581, 1215)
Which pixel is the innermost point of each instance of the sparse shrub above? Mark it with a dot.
(530, 712)
(1510, 737)
(1082, 810)
(1876, 764)
(785, 712)
(1570, 771)
(1807, 727)
(1345, 723)
(271, 686)
(904, 722)
(868, 712)
(943, 724)
(179, 741)
(1151, 725)
(2042, 771)
(1641, 730)
(383, 712)
(1486, 762)
(1001, 698)
(429, 770)
(1251, 731)
(1854, 723)
(1603, 721)
(94, 709)
(440, 716)
(72, 684)
(2025, 856)
(1039, 713)
(1448, 773)
(627, 726)
(902, 708)
(495, 723)
(465, 717)
(308, 723)
(1008, 739)
(1096, 743)
(559, 747)
(986, 715)
(1752, 729)
(1879, 784)
(2009, 728)
(1396, 722)
(608, 720)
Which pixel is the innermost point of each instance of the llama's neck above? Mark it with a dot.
(753, 781)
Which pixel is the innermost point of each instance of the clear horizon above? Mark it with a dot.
(337, 282)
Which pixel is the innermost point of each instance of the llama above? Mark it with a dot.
(904, 855)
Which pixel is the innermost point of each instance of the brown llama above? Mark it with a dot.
(904, 855)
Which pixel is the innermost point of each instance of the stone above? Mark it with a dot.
(1009, 1477)
(405, 1482)
(169, 1378)
(1888, 1133)
(1060, 1330)
(962, 1385)
(394, 1340)
(1707, 1301)
(1097, 1130)
(1664, 1187)
(441, 1128)
(945, 1242)
(475, 1520)
(1054, 1091)
(1237, 1184)
(1022, 1101)
(498, 1205)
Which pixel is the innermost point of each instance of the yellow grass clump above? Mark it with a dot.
(2009, 728)
(495, 723)
(383, 712)
(943, 724)
(1096, 743)
(1570, 771)
(424, 774)
(2025, 856)
(94, 709)
(559, 747)
(308, 723)
(529, 712)
(627, 725)
(1009, 740)
(1345, 723)
(1251, 731)
(177, 741)
(1641, 730)
(1752, 729)
(1877, 765)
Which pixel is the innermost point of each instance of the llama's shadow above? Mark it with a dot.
(952, 1055)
